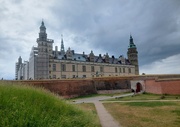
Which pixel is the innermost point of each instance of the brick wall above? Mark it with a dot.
(168, 86)
(152, 87)
(66, 88)
(78, 87)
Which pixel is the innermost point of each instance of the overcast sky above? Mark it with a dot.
(98, 25)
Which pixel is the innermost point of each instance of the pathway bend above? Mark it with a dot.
(105, 117)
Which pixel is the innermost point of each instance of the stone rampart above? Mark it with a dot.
(158, 84)
(77, 87)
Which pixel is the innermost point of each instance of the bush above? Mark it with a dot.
(162, 97)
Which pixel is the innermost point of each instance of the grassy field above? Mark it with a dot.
(25, 106)
(145, 114)
(146, 96)
(91, 108)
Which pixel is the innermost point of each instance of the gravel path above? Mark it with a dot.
(106, 119)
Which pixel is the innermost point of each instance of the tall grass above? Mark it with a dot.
(25, 106)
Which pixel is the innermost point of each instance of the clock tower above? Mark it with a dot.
(133, 55)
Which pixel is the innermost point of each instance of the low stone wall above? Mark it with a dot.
(113, 91)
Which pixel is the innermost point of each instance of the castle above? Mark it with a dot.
(46, 63)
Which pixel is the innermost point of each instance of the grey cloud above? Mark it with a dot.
(108, 25)
(101, 25)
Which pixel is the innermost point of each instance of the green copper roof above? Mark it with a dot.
(131, 43)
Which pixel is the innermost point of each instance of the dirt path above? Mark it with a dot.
(106, 119)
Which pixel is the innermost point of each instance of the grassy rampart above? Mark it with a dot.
(26, 106)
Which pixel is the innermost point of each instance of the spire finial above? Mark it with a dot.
(62, 43)
(61, 38)
(42, 22)
(130, 35)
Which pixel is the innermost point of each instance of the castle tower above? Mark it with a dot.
(133, 55)
(45, 47)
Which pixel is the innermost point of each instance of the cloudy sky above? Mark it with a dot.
(98, 25)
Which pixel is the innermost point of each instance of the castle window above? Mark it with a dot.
(63, 76)
(84, 76)
(73, 68)
(123, 70)
(54, 76)
(92, 68)
(115, 69)
(101, 69)
(84, 68)
(63, 67)
(129, 70)
(120, 70)
(54, 67)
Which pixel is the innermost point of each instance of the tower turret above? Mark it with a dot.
(42, 33)
(133, 55)
(62, 45)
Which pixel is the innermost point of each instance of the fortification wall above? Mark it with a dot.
(151, 86)
(166, 86)
(158, 84)
(66, 88)
(77, 87)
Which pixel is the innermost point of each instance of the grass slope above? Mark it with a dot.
(25, 106)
